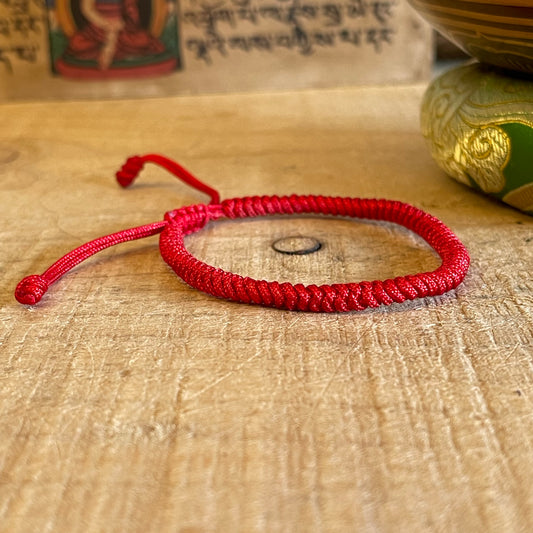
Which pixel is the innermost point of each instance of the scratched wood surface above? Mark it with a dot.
(131, 402)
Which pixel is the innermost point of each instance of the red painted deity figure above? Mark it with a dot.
(113, 32)
(115, 38)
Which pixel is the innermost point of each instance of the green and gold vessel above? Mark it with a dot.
(479, 125)
(478, 118)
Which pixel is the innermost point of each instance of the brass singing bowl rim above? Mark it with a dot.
(503, 3)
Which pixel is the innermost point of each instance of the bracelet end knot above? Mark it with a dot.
(130, 170)
(31, 289)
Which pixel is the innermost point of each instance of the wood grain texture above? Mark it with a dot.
(131, 402)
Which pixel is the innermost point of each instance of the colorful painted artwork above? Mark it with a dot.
(98, 39)
(206, 46)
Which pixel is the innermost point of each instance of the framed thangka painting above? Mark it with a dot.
(100, 39)
(203, 46)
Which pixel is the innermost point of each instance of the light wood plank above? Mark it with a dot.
(131, 402)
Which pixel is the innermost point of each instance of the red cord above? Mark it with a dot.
(133, 165)
(323, 298)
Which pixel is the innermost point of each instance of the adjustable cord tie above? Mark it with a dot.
(324, 298)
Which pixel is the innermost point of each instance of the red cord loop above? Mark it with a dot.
(324, 298)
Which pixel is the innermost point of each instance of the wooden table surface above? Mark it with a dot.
(130, 402)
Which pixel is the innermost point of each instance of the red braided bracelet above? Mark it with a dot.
(323, 298)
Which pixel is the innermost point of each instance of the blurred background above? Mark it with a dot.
(122, 48)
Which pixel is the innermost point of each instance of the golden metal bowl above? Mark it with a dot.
(499, 32)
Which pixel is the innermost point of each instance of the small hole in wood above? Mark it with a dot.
(297, 245)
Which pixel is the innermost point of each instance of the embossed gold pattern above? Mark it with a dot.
(479, 125)
(485, 152)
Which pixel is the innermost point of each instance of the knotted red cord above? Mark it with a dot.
(324, 298)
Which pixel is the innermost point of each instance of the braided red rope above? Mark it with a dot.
(324, 298)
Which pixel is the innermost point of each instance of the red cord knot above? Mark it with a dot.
(130, 170)
(31, 289)
(191, 218)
